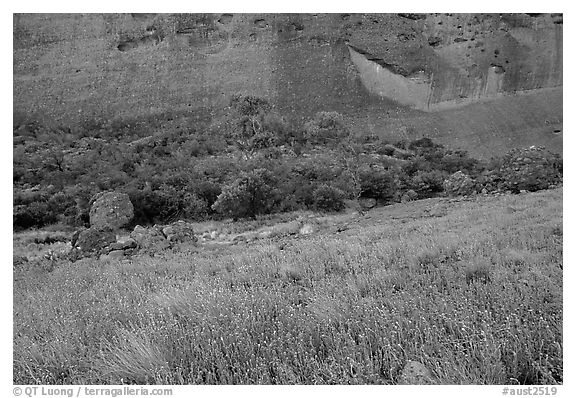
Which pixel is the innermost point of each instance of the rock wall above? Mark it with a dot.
(453, 60)
(390, 74)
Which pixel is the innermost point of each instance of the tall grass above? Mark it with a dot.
(475, 295)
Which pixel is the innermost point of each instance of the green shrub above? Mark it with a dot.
(35, 214)
(328, 198)
(378, 183)
(530, 169)
(428, 183)
(326, 128)
(250, 194)
(455, 161)
(207, 191)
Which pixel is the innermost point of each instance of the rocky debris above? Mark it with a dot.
(150, 240)
(367, 203)
(459, 184)
(93, 241)
(415, 372)
(409, 196)
(104, 243)
(111, 209)
(179, 232)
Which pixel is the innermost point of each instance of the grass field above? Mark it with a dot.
(470, 288)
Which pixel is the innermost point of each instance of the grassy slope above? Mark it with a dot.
(473, 289)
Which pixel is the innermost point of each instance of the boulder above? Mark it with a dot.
(94, 240)
(115, 255)
(415, 373)
(179, 232)
(149, 240)
(111, 209)
(127, 244)
(459, 184)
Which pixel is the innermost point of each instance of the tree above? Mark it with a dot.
(250, 194)
(246, 123)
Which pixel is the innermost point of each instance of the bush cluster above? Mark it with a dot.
(248, 160)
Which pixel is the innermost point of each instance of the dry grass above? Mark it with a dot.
(475, 295)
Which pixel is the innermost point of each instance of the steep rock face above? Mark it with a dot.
(449, 76)
(441, 61)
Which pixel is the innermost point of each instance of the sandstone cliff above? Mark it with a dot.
(483, 82)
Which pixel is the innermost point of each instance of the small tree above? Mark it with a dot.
(251, 124)
(250, 194)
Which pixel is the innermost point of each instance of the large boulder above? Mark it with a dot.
(93, 241)
(459, 184)
(150, 240)
(111, 209)
(180, 232)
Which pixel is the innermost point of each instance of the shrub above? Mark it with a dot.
(409, 196)
(147, 205)
(40, 208)
(247, 125)
(250, 194)
(207, 191)
(194, 208)
(262, 140)
(249, 105)
(455, 161)
(326, 128)
(428, 183)
(35, 214)
(378, 183)
(328, 198)
(530, 169)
